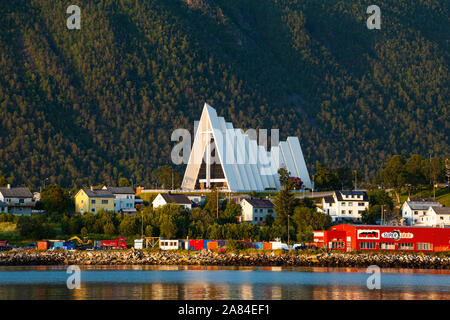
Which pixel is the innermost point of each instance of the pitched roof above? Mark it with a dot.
(339, 194)
(120, 190)
(420, 199)
(16, 192)
(441, 210)
(92, 193)
(176, 198)
(422, 205)
(254, 174)
(260, 203)
(328, 199)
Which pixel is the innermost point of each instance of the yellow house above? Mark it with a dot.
(92, 200)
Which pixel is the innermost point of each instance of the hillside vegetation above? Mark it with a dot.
(91, 105)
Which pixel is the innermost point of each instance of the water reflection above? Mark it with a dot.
(221, 283)
(202, 291)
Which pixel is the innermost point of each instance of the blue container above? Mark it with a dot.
(58, 245)
(97, 244)
(205, 244)
(259, 245)
(69, 246)
(222, 243)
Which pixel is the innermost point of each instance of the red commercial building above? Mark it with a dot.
(348, 237)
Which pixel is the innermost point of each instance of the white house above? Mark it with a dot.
(256, 210)
(171, 244)
(436, 216)
(414, 209)
(165, 198)
(345, 205)
(19, 201)
(124, 199)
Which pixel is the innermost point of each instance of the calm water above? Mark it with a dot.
(187, 282)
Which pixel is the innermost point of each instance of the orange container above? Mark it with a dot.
(213, 245)
(42, 245)
(267, 246)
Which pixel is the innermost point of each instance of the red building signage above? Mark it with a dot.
(350, 237)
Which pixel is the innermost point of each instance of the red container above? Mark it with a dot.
(42, 245)
(267, 246)
(213, 245)
(196, 244)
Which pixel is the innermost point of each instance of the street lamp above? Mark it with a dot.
(44, 182)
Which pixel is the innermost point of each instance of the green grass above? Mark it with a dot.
(444, 199)
(7, 227)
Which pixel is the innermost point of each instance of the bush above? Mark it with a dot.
(236, 245)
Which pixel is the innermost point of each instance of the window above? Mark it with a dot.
(337, 245)
(361, 204)
(367, 245)
(93, 201)
(424, 246)
(350, 204)
(93, 209)
(21, 200)
(387, 246)
(105, 201)
(260, 218)
(405, 246)
(416, 212)
(256, 218)
(343, 211)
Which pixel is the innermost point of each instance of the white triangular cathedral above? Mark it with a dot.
(229, 159)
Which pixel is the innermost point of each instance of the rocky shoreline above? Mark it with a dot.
(205, 257)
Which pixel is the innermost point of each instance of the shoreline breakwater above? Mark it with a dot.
(134, 257)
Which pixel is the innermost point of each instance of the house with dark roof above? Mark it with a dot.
(124, 199)
(93, 200)
(18, 201)
(414, 209)
(175, 198)
(345, 205)
(256, 210)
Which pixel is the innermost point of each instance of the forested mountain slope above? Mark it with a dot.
(90, 105)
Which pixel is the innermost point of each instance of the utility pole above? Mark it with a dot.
(288, 230)
(217, 206)
(142, 224)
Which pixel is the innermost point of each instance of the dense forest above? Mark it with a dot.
(89, 106)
